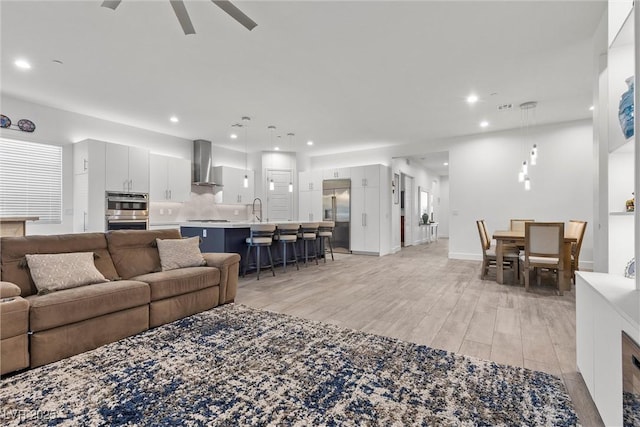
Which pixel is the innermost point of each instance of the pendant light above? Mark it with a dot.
(245, 182)
(527, 110)
(272, 185)
(290, 135)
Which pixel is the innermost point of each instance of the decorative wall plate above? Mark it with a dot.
(630, 269)
(5, 121)
(26, 125)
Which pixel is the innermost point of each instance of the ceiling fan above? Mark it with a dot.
(183, 17)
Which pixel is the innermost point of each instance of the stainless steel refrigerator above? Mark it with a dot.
(336, 206)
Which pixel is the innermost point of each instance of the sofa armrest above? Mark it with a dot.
(9, 290)
(229, 266)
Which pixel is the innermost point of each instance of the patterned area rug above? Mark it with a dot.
(235, 365)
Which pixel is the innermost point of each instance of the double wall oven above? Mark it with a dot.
(127, 211)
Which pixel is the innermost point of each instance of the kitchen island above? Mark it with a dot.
(223, 236)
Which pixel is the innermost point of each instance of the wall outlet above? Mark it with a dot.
(236, 212)
(204, 232)
(169, 211)
(161, 211)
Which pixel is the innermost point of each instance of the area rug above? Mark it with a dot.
(234, 365)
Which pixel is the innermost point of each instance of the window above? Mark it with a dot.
(31, 180)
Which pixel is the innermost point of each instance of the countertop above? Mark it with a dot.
(18, 218)
(233, 224)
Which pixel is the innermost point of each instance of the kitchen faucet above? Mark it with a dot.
(253, 209)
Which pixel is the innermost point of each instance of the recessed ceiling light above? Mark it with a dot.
(277, 148)
(23, 64)
(591, 108)
(472, 99)
(445, 164)
(484, 124)
(174, 119)
(309, 142)
(233, 136)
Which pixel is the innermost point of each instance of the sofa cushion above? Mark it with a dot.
(55, 272)
(170, 283)
(14, 249)
(180, 253)
(86, 302)
(8, 290)
(134, 252)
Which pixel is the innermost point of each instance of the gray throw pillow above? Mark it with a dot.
(55, 272)
(179, 253)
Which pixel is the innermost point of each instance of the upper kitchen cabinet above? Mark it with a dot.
(127, 168)
(170, 179)
(365, 176)
(310, 180)
(336, 173)
(233, 190)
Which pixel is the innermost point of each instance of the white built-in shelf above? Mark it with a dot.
(619, 292)
(621, 213)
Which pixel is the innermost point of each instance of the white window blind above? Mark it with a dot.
(31, 180)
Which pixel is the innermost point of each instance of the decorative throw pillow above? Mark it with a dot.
(179, 253)
(54, 272)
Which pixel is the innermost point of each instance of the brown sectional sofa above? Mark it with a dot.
(137, 296)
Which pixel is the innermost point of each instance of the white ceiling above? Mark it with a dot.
(347, 75)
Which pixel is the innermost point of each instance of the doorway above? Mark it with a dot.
(279, 200)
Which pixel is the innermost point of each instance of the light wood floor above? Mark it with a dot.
(419, 295)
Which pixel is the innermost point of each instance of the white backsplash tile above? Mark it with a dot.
(201, 205)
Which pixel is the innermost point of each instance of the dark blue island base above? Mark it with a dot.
(217, 239)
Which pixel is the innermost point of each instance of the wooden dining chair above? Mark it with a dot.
(489, 258)
(543, 243)
(577, 229)
(518, 224)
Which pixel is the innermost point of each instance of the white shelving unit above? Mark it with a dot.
(609, 303)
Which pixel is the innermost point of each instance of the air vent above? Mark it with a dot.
(505, 107)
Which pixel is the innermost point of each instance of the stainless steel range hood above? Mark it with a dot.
(201, 166)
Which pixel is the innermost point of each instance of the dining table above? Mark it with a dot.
(503, 237)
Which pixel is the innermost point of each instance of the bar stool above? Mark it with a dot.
(287, 234)
(308, 233)
(261, 235)
(325, 233)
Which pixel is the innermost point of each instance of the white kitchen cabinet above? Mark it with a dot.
(89, 186)
(365, 176)
(310, 205)
(233, 191)
(310, 180)
(127, 168)
(370, 209)
(170, 179)
(336, 173)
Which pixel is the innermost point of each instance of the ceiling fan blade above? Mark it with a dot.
(111, 4)
(183, 17)
(236, 14)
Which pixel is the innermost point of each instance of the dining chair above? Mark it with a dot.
(489, 258)
(543, 243)
(518, 224)
(577, 229)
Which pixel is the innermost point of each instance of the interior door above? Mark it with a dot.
(279, 200)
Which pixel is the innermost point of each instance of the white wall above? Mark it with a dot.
(443, 207)
(483, 183)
